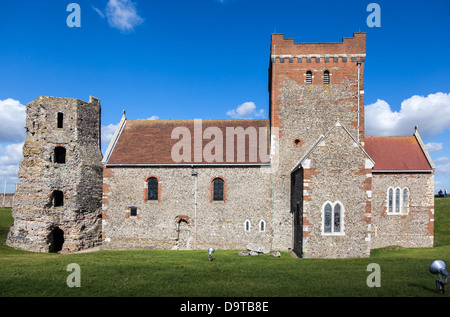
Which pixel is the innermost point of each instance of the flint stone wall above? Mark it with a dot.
(171, 222)
(412, 229)
(337, 172)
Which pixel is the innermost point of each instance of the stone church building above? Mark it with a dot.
(307, 179)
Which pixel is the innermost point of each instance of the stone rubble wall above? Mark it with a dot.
(171, 221)
(413, 229)
(80, 178)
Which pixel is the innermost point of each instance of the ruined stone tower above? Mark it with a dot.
(57, 206)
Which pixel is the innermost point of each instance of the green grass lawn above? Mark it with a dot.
(404, 272)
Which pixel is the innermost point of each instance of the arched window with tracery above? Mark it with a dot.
(332, 218)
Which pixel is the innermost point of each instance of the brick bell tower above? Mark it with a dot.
(311, 87)
(57, 206)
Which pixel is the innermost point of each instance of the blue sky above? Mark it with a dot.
(204, 58)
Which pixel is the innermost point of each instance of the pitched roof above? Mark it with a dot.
(398, 153)
(369, 161)
(150, 142)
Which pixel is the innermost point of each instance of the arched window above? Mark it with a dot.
(405, 200)
(247, 225)
(333, 218)
(218, 189)
(337, 218)
(308, 77)
(326, 77)
(60, 155)
(262, 226)
(390, 200)
(58, 198)
(327, 218)
(152, 189)
(397, 200)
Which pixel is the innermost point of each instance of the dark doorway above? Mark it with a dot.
(56, 240)
(297, 210)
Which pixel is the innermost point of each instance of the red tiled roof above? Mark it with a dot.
(394, 153)
(149, 142)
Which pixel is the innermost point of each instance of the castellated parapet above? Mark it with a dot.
(57, 206)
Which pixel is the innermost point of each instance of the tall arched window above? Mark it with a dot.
(405, 200)
(152, 188)
(247, 225)
(218, 189)
(326, 77)
(308, 77)
(397, 200)
(390, 200)
(333, 218)
(262, 226)
(327, 218)
(337, 218)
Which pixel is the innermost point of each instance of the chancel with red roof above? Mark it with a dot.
(305, 180)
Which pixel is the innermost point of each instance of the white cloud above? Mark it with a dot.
(442, 160)
(122, 14)
(431, 114)
(107, 134)
(10, 158)
(12, 134)
(11, 154)
(12, 118)
(245, 110)
(442, 165)
(434, 147)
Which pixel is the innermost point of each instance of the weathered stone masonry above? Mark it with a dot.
(172, 221)
(57, 205)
